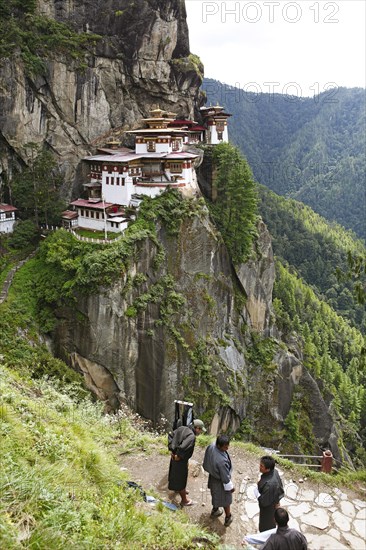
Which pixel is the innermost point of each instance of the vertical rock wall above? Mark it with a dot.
(139, 62)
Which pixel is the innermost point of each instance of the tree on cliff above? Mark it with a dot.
(36, 190)
(235, 209)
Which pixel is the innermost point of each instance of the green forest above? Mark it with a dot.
(309, 149)
(318, 251)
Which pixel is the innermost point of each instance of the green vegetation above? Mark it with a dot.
(37, 38)
(35, 190)
(323, 254)
(334, 352)
(235, 208)
(309, 149)
(60, 482)
(188, 64)
(262, 351)
(356, 273)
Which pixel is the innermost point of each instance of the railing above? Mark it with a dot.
(325, 463)
(80, 237)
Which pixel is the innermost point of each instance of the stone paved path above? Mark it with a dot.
(331, 518)
(10, 276)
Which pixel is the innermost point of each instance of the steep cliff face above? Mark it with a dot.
(213, 347)
(141, 60)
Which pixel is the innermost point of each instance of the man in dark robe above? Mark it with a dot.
(270, 491)
(217, 463)
(285, 538)
(181, 445)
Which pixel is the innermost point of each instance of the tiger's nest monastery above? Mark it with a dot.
(164, 156)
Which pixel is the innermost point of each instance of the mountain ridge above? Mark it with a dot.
(310, 149)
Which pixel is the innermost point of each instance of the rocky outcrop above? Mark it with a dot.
(140, 61)
(199, 351)
(257, 277)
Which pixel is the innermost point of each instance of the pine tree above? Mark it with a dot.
(235, 209)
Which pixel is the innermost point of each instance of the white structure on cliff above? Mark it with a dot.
(216, 122)
(7, 218)
(118, 175)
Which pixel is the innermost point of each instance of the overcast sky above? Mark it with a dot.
(300, 48)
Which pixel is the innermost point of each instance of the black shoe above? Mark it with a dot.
(216, 512)
(228, 520)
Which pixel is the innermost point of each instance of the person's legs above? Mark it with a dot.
(228, 516)
(183, 495)
(216, 512)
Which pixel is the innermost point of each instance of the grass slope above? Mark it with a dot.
(61, 485)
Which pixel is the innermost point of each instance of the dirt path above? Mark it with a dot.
(151, 471)
(303, 498)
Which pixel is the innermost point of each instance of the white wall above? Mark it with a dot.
(7, 226)
(117, 194)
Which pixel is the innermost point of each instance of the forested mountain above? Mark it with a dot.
(316, 250)
(309, 149)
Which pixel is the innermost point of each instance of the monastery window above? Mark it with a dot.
(176, 167)
(175, 145)
(8, 215)
(82, 212)
(87, 213)
(112, 180)
(151, 146)
(92, 213)
(117, 181)
(107, 180)
(219, 136)
(97, 215)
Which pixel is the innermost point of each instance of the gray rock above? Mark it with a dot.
(325, 500)
(317, 518)
(347, 508)
(359, 526)
(325, 542)
(342, 522)
(355, 543)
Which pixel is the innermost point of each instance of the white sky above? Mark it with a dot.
(301, 48)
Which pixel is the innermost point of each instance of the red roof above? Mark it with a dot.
(7, 208)
(198, 129)
(69, 214)
(182, 122)
(101, 205)
(191, 125)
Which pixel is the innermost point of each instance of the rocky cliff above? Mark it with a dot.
(141, 59)
(193, 328)
(187, 327)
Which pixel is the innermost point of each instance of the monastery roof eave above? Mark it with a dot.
(101, 205)
(157, 131)
(127, 158)
(7, 208)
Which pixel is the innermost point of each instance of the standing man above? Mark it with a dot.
(181, 445)
(270, 491)
(217, 463)
(285, 538)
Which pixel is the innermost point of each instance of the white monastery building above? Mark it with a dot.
(7, 218)
(118, 176)
(216, 122)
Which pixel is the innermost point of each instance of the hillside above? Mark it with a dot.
(66, 467)
(309, 149)
(317, 250)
